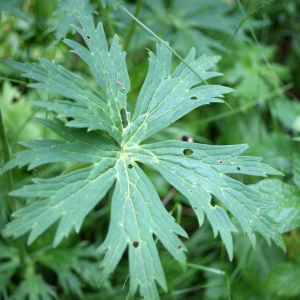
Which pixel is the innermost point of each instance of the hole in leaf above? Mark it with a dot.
(188, 152)
(195, 207)
(130, 166)
(190, 191)
(124, 117)
(194, 98)
(238, 168)
(219, 160)
(88, 37)
(179, 247)
(135, 244)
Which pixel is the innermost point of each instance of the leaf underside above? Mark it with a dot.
(137, 213)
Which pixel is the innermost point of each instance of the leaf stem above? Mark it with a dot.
(214, 271)
(246, 17)
(132, 27)
(6, 157)
(162, 41)
(10, 186)
(169, 196)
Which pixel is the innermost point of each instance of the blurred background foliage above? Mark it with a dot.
(259, 47)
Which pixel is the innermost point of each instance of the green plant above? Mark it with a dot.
(107, 144)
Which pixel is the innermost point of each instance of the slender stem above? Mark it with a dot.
(6, 157)
(162, 41)
(169, 196)
(10, 186)
(214, 271)
(242, 107)
(107, 19)
(14, 80)
(179, 213)
(132, 27)
(245, 19)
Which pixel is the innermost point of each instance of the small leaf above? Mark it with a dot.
(296, 169)
(286, 197)
(276, 150)
(71, 266)
(33, 287)
(13, 7)
(68, 11)
(283, 279)
(191, 23)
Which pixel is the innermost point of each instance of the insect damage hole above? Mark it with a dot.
(130, 166)
(239, 168)
(220, 161)
(135, 244)
(187, 152)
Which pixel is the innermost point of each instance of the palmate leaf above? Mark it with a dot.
(285, 196)
(137, 214)
(189, 21)
(33, 286)
(73, 266)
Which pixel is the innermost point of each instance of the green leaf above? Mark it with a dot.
(296, 169)
(276, 150)
(71, 266)
(165, 97)
(79, 146)
(8, 267)
(136, 215)
(253, 78)
(33, 287)
(68, 9)
(286, 197)
(68, 198)
(200, 174)
(191, 22)
(13, 7)
(287, 111)
(91, 109)
(283, 279)
(103, 137)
